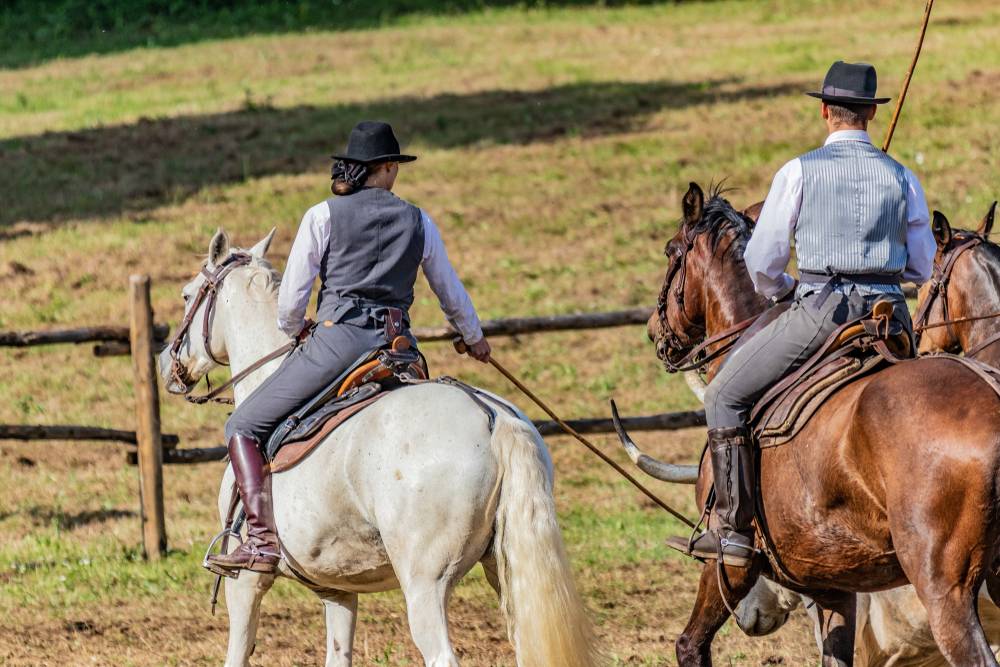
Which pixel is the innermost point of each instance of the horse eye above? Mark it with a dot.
(186, 297)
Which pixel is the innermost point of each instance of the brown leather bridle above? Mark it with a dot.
(943, 268)
(688, 354)
(208, 295)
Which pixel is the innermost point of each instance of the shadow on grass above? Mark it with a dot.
(46, 516)
(33, 32)
(131, 168)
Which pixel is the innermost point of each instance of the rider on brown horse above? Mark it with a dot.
(860, 223)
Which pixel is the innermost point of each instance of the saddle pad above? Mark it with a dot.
(786, 416)
(294, 451)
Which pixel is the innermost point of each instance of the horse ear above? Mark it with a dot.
(218, 248)
(694, 204)
(986, 226)
(941, 228)
(260, 249)
(753, 211)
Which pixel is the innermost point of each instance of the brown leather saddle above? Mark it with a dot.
(856, 349)
(370, 378)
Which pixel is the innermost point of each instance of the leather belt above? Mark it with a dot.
(831, 281)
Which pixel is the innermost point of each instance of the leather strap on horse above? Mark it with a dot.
(461, 348)
(729, 337)
(211, 396)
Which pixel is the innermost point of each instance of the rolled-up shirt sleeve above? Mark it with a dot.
(770, 247)
(920, 244)
(444, 282)
(302, 268)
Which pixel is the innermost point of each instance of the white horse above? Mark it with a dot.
(410, 493)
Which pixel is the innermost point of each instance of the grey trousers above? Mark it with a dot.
(310, 367)
(780, 348)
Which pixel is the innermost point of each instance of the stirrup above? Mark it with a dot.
(217, 569)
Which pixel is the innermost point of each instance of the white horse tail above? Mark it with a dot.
(546, 620)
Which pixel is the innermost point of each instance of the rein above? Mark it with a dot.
(208, 295)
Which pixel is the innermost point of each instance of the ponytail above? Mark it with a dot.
(348, 176)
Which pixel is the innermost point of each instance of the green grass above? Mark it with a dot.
(554, 143)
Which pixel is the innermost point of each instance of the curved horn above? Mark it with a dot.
(696, 384)
(666, 472)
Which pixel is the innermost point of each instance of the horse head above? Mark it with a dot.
(706, 283)
(966, 283)
(200, 342)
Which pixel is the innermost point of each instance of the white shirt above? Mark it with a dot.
(307, 253)
(769, 249)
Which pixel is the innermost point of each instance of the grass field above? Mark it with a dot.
(554, 148)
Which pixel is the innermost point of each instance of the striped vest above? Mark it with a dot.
(853, 213)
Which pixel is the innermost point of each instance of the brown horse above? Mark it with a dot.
(867, 496)
(966, 286)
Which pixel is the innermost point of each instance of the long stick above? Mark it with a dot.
(461, 347)
(909, 75)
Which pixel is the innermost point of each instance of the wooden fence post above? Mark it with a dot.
(147, 404)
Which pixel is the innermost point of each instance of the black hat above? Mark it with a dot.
(373, 141)
(850, 83)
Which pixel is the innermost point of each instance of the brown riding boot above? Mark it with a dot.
(732, 535)
(260, 552)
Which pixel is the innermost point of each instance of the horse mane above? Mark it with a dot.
(719, 218)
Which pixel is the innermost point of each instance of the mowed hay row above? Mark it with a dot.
(554, 148)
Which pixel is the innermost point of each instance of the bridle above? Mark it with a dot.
(943, 268)
(694, 356)
(208, 295)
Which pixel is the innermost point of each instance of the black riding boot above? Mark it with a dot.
(731, 534)
(260, 552)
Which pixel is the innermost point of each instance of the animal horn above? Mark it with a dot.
(665, 472)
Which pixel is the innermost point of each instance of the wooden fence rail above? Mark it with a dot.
(667, 421)
(99, 334)
(75, 432)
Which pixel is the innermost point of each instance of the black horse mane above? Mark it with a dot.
(718, 218)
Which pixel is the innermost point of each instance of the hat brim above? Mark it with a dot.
(377, 159)
(848, 99)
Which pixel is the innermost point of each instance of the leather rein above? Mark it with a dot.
(939, 288)
(697, 356)
(208, 295)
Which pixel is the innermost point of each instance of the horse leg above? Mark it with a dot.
(427, 612)
(947, 568)
(837, 615)
(243, 596)
(694, 646)
(341, 610)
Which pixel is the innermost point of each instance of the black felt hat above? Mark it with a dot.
(373, 141)
(850, 83)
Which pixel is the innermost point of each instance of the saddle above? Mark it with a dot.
(856, 349)
(368, 379)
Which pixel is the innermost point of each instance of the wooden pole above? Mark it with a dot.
(147, 404)
(520, 325)
(909, 75)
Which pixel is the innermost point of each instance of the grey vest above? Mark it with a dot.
(376, 246)
(853, 214)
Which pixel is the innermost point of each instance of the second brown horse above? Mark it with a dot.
(895, 479)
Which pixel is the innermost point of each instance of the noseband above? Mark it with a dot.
(207, 295)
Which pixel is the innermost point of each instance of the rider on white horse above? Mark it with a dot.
(365, 244)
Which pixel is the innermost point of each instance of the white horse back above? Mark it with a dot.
(410, 478)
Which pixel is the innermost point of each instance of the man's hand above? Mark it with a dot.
(480, 351)
(307, 328)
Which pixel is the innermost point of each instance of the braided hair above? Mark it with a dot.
(348, 176)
